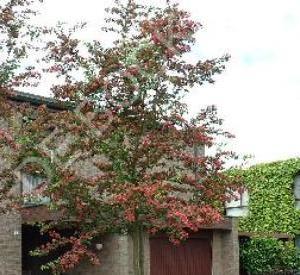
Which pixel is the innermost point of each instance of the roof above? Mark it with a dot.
(39, 100)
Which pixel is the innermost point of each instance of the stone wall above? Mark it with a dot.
(10, 245)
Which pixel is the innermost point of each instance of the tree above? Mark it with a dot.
(16, 41)
(126, 119)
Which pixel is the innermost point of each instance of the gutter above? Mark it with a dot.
(38, 100)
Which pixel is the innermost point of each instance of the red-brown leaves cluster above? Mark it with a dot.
(78, 250)
(77, 253)
(8, 139)
(172, 32)
(18, 41)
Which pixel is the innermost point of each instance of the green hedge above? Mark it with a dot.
(271, 210)
(272, 205)
(268, 255)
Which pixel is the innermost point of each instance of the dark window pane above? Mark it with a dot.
(297, 187)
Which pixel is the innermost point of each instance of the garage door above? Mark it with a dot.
(192, 257)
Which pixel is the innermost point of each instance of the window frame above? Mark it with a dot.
(35, 200)
(296, 191)
(239, 207)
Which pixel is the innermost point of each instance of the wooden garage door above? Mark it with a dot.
(193, 257)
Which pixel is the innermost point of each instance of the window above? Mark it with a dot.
(297, 204)
(31, 189)
(297, 241)
(297, 191)
(239, 206)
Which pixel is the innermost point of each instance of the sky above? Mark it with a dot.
(258, 95)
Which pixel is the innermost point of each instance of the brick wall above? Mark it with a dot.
(10, 245)
(116, 257)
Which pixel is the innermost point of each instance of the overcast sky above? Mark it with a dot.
(259, 94)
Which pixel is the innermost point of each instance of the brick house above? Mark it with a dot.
(213, 250)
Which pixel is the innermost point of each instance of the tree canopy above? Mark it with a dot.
(122, 157)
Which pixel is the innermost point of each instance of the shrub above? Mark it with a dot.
(269, 255)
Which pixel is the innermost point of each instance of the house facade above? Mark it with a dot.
(212, 250)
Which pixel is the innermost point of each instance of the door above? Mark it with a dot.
(192, 257)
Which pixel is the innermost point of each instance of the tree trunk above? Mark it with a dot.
(138, 250)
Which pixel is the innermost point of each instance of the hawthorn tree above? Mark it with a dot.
(17, 37)
(125, 118)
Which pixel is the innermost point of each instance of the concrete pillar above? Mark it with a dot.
(225, 251)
